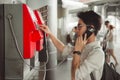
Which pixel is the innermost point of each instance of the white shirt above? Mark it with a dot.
(92, 60)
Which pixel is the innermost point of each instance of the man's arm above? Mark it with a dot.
(79, 45)
(58, 44)
(75, 65)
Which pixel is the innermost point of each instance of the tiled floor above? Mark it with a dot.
(62, 72)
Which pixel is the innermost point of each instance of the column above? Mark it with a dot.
(52, 51)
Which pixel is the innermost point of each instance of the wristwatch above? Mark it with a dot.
(77, 52)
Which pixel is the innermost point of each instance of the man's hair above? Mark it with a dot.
(107, 22)
(91, 18)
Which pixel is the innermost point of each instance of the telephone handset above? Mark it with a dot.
(89, 31)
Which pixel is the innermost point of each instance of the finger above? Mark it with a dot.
(81, 38)
(41, 28)
(85, 37)
(77, 40)
(41, 25)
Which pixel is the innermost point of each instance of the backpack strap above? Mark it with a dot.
(92, 77)
(112, 66)
(91, 74)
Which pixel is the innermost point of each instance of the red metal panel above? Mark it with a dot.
(31, 35)
(39, 44)
(28, 27)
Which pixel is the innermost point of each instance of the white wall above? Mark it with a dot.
(11, 1)
(36, 4)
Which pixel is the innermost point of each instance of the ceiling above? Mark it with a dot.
(99, 2)
(95, 2)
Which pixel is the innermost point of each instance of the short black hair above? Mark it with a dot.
(91, 18)
(107, 22)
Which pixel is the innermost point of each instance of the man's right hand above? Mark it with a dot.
(45, 29)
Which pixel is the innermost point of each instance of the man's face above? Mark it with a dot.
(81, 27)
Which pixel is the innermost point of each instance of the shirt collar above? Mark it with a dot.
(92, 44)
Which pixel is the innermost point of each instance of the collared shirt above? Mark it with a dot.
(92, 60)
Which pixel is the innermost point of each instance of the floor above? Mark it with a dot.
(61, 73)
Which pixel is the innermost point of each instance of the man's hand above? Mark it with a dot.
(79, 46)
(80, 43)
(45, 29)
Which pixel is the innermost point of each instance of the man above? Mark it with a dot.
(88, 56)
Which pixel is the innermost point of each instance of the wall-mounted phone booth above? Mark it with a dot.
(19, 37)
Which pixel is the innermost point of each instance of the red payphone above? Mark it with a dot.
(32, 38)
(43, 53)
(39, 22)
